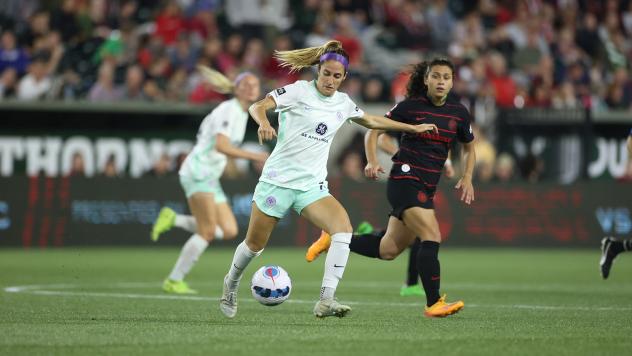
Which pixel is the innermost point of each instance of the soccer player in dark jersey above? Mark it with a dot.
(415, 174)
(610, 247)
(388, 143)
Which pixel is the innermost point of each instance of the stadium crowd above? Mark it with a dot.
(526, 53)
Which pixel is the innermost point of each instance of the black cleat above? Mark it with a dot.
(608, 254)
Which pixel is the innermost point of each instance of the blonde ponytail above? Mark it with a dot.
(220, 83)
(298, 59)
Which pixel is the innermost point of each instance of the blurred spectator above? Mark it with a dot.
(78, 166)
(64, 19)
(505, 168)
(561, 54)
(532, 168)
(203, 24)
(485, 156)
(170, 23)
(11, 56)
(228, 59)
(8, 80)
(373, 91)
(346, 34)
(565, 97)
(260, 19)
(271, 68)
(104, 89)
(162, 167)
(37, 83)
(441, 23)
(110, 170)
(253, 56)
(504, 85)
(183, 55)
(177, 87)
(134, 79)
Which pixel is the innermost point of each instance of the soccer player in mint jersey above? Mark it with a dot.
(219, 136)
(415, 174)
(610, 247)
(295, 174)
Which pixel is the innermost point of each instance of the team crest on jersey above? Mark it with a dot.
(452, 125)
(321, 128)
(280, 91)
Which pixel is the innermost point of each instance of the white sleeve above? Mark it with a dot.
(353, 111)
(218, 121)
(286, 96)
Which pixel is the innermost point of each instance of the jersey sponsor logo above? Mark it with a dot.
(405, 168)
(321, 128)
(280, 91)
(270, 201)
(435, 137)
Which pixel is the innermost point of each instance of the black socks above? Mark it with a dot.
(429, 270)
(368, 244)
(412, 276)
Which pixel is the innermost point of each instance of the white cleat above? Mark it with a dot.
(228, 302)
(330, 307)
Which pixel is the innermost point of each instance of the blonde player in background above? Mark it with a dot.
(219, 135)
(295, 175)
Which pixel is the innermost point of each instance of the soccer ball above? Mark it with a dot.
(271, 285)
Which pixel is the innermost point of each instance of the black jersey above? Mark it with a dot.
(421, 156)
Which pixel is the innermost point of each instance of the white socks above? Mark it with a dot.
(335, 263)
(191, 251)
(187, 222)
(241, 259)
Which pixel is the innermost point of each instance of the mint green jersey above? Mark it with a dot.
(204, 161)
(308, 122)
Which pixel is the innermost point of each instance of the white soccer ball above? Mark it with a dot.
(271, 285)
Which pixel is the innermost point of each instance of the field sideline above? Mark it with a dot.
(108, 301)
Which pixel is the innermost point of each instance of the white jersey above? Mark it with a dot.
(204, 161)
(308, 122)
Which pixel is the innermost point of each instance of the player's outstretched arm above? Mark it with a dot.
(258, 112)
(383, 123)
(223, 145)
(372, 168)
(465, 183)
(387, 143)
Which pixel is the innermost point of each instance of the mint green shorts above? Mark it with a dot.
(275, 201)
(192, 186)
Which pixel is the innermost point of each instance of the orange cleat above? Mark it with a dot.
(442, 309)
(319, 246)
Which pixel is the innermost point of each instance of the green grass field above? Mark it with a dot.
(109, 301)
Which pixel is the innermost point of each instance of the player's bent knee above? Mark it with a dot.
(389, 255)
